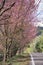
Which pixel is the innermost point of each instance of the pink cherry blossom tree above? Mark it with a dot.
(16, 23)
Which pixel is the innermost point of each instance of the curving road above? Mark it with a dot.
(36, 59)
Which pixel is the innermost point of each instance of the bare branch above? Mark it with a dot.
(5, 18)
(6, 23)
(2, 32)
(20, 8)
(3, 3)
(7, 9)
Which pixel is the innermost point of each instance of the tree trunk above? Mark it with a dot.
(4, 59)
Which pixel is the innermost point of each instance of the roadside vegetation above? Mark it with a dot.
(39, 44)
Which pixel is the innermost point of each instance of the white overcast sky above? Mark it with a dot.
(40, 16)
(40, 9)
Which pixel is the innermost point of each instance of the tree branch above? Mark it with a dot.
(2, 32)
(6, 23)
(3, 3)
(7, 9)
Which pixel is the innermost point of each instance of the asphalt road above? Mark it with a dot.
(36, 59)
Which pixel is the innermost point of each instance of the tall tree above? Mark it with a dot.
(16, 22)
(4, 7)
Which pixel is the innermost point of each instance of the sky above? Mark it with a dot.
(40, 16)
(40, 10)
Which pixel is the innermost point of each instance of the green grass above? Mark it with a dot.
(21, 63)
(0, 63)
(19, 60)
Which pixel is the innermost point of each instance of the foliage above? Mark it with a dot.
(39, 44)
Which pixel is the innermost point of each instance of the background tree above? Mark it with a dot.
(25, 15)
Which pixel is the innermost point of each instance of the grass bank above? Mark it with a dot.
(19, 60)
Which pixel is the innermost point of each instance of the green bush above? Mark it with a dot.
(39, 45)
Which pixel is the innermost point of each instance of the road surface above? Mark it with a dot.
(36, 59)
